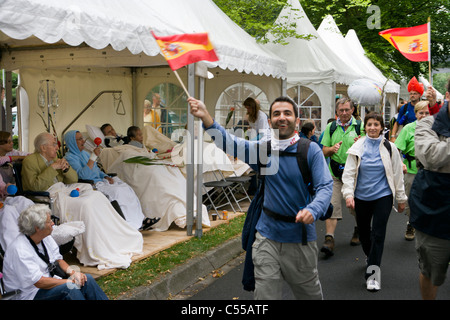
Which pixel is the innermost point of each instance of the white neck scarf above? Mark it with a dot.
(277, 144)
(339, 123)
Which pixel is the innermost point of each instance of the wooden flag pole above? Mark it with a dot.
(181, 82)
(430, 80)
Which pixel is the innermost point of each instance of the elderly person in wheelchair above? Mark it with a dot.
(108, 241)
(33, 264)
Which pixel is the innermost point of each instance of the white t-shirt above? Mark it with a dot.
(261, 125)
(22, 267)
(261, 122)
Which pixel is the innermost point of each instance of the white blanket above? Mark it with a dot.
(127, 199)
(64, 233)
(214, 159)
(9, 213)
(160, 188)
(108, 241)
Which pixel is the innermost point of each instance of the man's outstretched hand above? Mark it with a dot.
(198, 109)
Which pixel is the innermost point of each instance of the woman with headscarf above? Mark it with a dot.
(115, 189)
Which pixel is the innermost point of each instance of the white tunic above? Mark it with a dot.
(22, 267)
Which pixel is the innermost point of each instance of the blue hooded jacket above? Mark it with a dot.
(78, 160)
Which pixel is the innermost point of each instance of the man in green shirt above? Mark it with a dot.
(338, 137)
(405, 143)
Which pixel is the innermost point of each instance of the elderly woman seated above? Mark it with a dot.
(115, 189)
(7, 152)
(31, 260)
(108, 241)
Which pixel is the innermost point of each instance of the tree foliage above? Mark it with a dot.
(257, 18)
(392, 14)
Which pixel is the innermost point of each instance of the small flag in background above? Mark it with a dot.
(413, 43)
(183, 49)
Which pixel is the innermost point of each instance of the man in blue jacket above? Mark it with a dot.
(288, 210)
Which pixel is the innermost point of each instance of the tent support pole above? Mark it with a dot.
(6, 123)
(284, 87)
(199, 165)
(134, 95)
(190, 155)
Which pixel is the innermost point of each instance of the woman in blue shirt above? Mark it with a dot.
(372, 179)
(115, 189)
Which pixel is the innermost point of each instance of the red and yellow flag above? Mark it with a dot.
(413, 43)
(183, 49)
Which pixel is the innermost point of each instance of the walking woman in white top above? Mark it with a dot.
(372, 179)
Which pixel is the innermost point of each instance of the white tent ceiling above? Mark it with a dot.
(127, 24)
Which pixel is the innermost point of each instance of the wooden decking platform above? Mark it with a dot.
(155, 241)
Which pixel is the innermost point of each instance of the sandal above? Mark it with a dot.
(148, 223)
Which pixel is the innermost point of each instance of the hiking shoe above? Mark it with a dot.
(410, 232)
(355, 238)
(373, 285)
(328, 246)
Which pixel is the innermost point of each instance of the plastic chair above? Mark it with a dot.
(238, 183)
(219, 196)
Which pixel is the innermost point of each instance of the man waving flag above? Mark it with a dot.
(413, 43)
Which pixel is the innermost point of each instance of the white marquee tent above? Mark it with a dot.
(311, 63)
(349, 48)
(90, 46)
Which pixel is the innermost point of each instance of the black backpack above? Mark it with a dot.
(334, 126)
(302, 161)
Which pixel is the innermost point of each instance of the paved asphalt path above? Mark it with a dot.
(342, 275)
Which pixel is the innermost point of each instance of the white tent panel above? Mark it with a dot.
(127, 25)
(75, 91)
(352, 40)
(350, 50)
(309, 61)
(312, 63)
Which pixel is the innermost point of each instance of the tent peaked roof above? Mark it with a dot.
(309, 61)
(334, 39)
(127, 25)
(351, 51)
(352, 40)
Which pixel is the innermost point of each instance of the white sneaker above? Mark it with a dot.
(373, 285)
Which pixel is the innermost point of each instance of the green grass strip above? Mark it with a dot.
(149, 269)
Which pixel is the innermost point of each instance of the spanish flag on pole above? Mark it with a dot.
(413, 43)
(183, 49)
